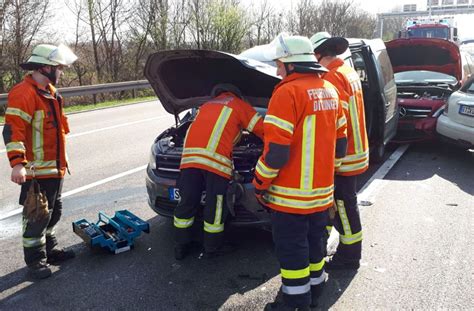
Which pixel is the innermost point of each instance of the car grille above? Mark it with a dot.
(414, 112)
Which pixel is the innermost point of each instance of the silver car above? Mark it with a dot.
(457, 121)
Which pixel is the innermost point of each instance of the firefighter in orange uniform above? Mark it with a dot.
(356, 161)
(34, 135)
(305, 130)
(206, 164)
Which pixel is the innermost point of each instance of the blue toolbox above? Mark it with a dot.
(116, 233)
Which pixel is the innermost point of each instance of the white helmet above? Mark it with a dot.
(291, 49)
(322, 41)
(47, 54)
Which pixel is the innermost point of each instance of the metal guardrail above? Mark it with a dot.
(94, 89)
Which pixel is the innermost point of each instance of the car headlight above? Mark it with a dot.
(152, 161)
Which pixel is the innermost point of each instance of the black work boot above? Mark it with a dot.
(57, 256)
(316, 292)
(222, 250)
(39, 270)
(341, 263)
(280, 306)
(181, 251)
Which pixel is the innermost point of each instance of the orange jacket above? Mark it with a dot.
(35, 129)
(347, 81)
(303, 122)
(211, 137)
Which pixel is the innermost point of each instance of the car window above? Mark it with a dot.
(359, 66)
(470, 87)
(423, 76)
(386, 66)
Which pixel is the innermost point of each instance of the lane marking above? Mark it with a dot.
(107, 128)
(81, 189)
(371, 187)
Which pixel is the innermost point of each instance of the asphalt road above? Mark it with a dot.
(418, 249)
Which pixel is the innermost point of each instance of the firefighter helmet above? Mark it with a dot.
(226, 87)
(291, 49)
(47, 54)
(322, 41)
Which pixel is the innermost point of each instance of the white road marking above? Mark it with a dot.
(81, 189)
(369, 190)
(107, 128)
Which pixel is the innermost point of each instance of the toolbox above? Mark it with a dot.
(116, 234)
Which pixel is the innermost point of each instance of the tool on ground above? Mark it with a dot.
(117, 234)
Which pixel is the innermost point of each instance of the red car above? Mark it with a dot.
(427, 71)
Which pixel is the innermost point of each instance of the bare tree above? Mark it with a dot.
(22, 22)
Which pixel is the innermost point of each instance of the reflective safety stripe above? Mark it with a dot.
(218, 215)
(51, 231)
(345, 105)
(296, 290)
(298, 203)
(352, 167)
(344, 219)
(219, 128)
(278, 122)
(355, 125)
(295, 274)
(351, 239)
(38, 134)
(41, 164)
(253, 121)
(307, 152)
(356, 156)
(320, 279)
(341, 122)
(317, 266)
(19, 113)
(16, 146)
(183, 223)
(43, 172)
(207, 162)
(34, 242)
(301, 192)
(213, 228)
(337, 162)
(204, 151)
(329, 229)
(266, 171)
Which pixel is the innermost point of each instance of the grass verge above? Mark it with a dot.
(106, 104)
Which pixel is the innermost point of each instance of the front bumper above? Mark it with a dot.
(462, 134)
(409, 131)
(246, 212)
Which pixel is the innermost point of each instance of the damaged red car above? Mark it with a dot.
(427, 71)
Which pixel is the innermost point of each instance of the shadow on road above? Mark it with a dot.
(425, 160)
(148, 276)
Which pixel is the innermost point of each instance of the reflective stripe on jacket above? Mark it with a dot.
(347, 81)
(210, 138)
(35, 129)
(305, 115)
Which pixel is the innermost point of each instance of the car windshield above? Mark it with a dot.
(423, 77)
(469, 87)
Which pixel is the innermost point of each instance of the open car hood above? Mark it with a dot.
(183, 79)
(430, 54)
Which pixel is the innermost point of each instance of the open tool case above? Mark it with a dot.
(116, 233)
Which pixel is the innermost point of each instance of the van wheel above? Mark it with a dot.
(378, 153)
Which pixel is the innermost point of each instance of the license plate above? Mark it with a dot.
(175, 196)
(466, 110)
